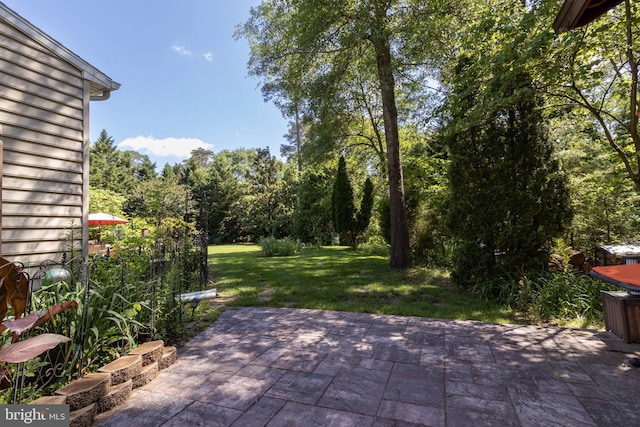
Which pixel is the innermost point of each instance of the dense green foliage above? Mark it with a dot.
(278, 247)
(507, 198)
(342, 206)
(535, 126)
(347, 221)
(311, 218)
(486, 129)
(122, 301)
(549, 298)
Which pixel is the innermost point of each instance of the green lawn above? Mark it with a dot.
(337, 278)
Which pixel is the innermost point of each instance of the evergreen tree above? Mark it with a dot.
(366, 206)
(312, 216)
(507, 196)
(342, 204)
(143, 168)
(109, 168)
(223, 190)
(348, 222)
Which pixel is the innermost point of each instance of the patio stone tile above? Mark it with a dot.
(356, 390)
(334, 363)
(430, 355)
(435, 338)
(237, 392)
(549, 409)
(281, 335)
(229, 362)
(514, 355)
(570, 372)
(417, 384)
(609, 358)
(188, 387)
(260, 413)
(193, 353)
(389, 422)
(613, 413)
(412, 413)
(273, 366)
(184, 369)
(458, 370)
(548, 379)
(467, 410)
(481, 418)
(302, 387)
(143, 409)
(604, 394)
(383, 320)
(297, 414)
(261, 372)
(398, 353)
(305, 338)
(299, 360)
(494, 374)
(363, 347)
(387, 332)
(476, 352)
(428, 323)
(621, 376)
(269, 356)
(204, 414)
(459, 403)
(328, 344)
(352, 330)
(455, 388)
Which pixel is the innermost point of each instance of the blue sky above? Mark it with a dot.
(184, 78)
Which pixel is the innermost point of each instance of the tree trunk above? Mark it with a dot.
(400, 256)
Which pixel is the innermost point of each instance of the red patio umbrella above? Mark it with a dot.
(101, 218)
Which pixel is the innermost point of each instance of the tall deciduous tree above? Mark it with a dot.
(594, 68)
(597, 68)
(265, 204)
(157, 199)
(321, 48)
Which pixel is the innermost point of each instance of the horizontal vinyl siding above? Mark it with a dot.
(41, 113)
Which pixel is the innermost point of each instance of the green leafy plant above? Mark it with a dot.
(29, 348)
(552, 297)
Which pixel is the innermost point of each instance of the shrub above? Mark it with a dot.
(278, 247)
(545, 297)
(376, 245)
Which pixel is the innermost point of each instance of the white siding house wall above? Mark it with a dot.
(44, 110)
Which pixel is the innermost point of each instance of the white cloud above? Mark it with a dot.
(181, 50)
(167, 147)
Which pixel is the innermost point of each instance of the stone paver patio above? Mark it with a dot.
(292, 367)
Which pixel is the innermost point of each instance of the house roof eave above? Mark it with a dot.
(576, 13)
(99, 81)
